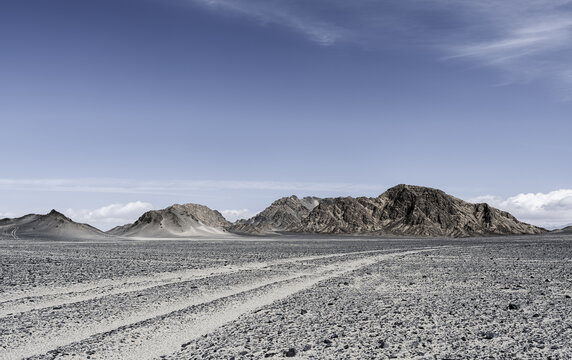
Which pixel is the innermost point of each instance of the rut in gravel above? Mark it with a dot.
(159, 328)
(40, 298)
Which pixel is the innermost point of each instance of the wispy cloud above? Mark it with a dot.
(280, 13)
(526, 40)
(110, 214)
(174, 187)
(534, 46)
(550, 210)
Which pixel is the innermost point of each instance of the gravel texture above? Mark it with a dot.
(306, 298)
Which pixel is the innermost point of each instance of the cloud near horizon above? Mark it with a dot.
(235, 214)
(115, 214)
(4, 215)
(550, 210)
(128, 186)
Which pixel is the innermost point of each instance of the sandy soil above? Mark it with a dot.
(314, 298)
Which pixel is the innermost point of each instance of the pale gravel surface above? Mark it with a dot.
(320, 298)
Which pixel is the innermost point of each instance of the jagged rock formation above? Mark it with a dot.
(282, 214)
(175, 221)
(52, 226)
(402, 210)
(411, 210)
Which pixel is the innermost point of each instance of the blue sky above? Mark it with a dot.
(110, 108)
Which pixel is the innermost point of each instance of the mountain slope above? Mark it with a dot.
(175, 221)
(282, 214)
(565, 230)
(411, 210)
(53, 225)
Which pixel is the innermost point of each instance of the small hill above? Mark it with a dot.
(565, 230)
(411, 210)
(53, 226)
(185, 220)
(282, 214)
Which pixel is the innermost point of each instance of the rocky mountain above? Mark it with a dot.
(410, 210)
(565, 230)
(402, 210)
(175, 221)
(53, 225)
(282, 214)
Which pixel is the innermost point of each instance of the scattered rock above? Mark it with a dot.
(290, 352)
(489, 335)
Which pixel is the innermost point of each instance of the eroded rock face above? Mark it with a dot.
(175, 221)
(411, 210)
(282, 214)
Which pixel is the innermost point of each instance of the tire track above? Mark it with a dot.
(50, 297)
(165, 329)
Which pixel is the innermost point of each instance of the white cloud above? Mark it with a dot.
(8, 214)
(550, 210)
(235, 214)
(541, 36)
(525, 40)
(116, 214)
(281, 13)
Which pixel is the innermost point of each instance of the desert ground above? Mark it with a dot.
(307, 298)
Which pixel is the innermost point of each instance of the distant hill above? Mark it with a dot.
(53, 225)
(565, 230)
(402, 210)
(282, 214)
(411, 210)
(175, 221)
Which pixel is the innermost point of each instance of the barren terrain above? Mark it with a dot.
(315, 298)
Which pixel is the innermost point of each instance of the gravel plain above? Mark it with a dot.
(307, 298)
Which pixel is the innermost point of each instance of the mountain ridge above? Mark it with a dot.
(411, 210)
(281, 215)
(177, 220)
(564, 230)
(403, 210)
(53, 225)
